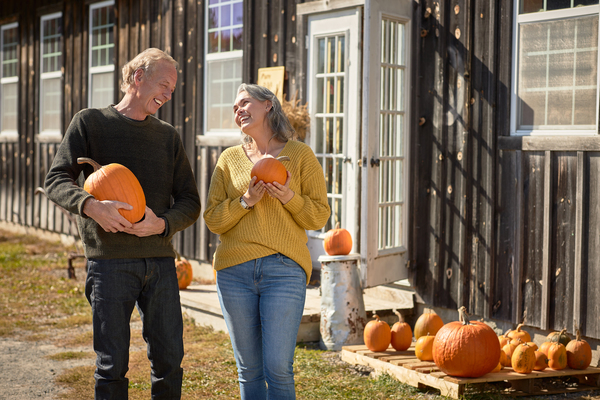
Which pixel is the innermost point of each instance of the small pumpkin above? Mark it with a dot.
(466, 348)
(533, 345)
(509, 348)
(519, 334)
(523, 359)
(401, 334)
(424, 348)
(377, 334)
(184, 272)
(504, 359)
(116, 182)
(503, 339)
(269, 170)
(579, 352)
(541, 361)
(337, 242)
(560, 337)
(544, 347)
(557, 356)
(428, 323)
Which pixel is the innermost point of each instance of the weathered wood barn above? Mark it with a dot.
(459, 139)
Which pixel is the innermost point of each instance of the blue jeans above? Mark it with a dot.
(113, 288)
(262, 302)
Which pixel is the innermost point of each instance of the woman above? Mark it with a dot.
(262, 260)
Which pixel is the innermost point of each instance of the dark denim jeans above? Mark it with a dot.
(113, 288)
(262, 302)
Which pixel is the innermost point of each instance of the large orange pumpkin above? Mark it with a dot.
(337, 242)
(519, 334)
(401, 334)
(523, 359)
(429, 323)
(464, 348)
(557, 356)
(377, 334)
(184, 272)
(579, 353)
(269, 170)
(116, 182)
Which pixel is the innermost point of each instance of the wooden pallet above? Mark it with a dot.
(404, 366)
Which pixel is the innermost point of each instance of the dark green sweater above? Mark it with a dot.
(153, 151)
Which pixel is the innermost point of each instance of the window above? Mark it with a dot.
(556, 67)
(223, 63)
(51, 74)
(101, 58)
(9, 82)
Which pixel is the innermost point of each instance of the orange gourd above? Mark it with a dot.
(184, 272)
(523, 359)
(579, 352)
(510, 347)
(519, 334)
(557, 356)
(560, 337)
(269, 170)
(503, 339)
(401, 334)
(533, 345)
(541, 361)
(544, 347)
(424, 348)
(429, 323)
(377, 334)
(337, 242)
(504, 359)
(466, 348)
(116, 182)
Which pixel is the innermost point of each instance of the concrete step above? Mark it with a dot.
(201, 303)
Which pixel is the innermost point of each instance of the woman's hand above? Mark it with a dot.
(255, 192)
(283, 193)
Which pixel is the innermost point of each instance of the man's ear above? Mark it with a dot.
(137, 75)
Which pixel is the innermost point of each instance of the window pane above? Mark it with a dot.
(9, 52)
(224, 77)
(557, 68)
(51, 44)
(51, 104)
(102, 88)
(531, 6)
(8, 106)
(102, 37)
(225, 21)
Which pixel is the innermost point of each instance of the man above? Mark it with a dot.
(131, 265)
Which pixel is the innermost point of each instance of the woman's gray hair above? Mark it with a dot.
(145, 61)
(278, 121)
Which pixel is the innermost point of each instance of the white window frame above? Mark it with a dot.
(220, 56)
(52, 135)
(545, 16)
(5, 134)
(101, 69)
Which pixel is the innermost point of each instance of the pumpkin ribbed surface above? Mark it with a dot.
(269, 170)
(116, 182)
(428, 323)
(377, 334)
(337, 242)
(467, 349)
(579, 353)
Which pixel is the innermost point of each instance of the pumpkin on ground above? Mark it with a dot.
(116, 182)
(464, 348)
(184, 272)
(401, 334)
(377, 334)
(519, 334)
(557, 356)
(428, 323)
(541, 361)
(424, 348)
(337, 242)
(269, 170)
(523, 359)
(560, 337)
(579, 352)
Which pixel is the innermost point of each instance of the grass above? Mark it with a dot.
(38, 302)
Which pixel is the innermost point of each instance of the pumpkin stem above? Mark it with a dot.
(578, 335)
(462, 316)
(337, 225)
(400, 317)
(83, 160)
(519, 327)
(283, 158)
(375, 316)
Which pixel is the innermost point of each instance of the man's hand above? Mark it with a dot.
(106, 214)
(150, 225)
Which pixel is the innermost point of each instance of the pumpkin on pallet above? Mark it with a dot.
(579, 352)
(519, 334)
(560, 337)
(401, 334)
(541, 361)
(377, 334)
(184, 272)
(523, 359)
(557, 356)
(464, 348)
(424, 348)
(428, 323)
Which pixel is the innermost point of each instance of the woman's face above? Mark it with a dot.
(250, 113)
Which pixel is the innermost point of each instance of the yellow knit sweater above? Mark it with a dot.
(270, 227)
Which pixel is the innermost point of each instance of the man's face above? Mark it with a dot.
(155, 90)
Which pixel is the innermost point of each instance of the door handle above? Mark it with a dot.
(374, 162)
